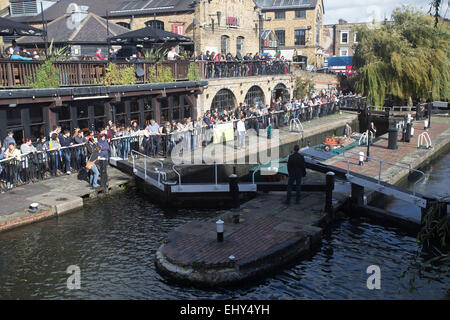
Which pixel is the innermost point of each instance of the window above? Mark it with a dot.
(124, 24)
(240, 44)
(224, 99)
(156, 24)
(299, 36)
(343, 52)
(83, 116)
(344, 36)
(356, 37)
(224, 44)
(99, 115)
(255, 96)
(300, 14)
(281, 36)
(280, 15)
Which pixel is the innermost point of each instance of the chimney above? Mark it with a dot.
(342, 21)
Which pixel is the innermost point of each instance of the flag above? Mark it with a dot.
(278, 54)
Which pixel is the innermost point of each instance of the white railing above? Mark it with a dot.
(381, 162)
(161, 174)
(424, 137)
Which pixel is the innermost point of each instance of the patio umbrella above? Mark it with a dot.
(148, 35)
(11, 28)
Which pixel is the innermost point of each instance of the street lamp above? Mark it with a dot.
(369, 120)
(430, 107)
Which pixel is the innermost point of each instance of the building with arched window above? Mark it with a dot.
(255, 96)
(224, 99)
(155, 24)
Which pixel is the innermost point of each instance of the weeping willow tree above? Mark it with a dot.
(404, 58)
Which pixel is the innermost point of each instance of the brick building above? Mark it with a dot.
(298, 26)
(214, 25)
(340, 39)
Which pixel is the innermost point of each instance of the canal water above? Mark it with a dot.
(114, 243)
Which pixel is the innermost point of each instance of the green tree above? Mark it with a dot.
(403, 58)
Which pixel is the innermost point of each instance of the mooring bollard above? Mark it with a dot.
(234, 190)
(219, 226)
(329, 193)
(361, 158)
(425, 125)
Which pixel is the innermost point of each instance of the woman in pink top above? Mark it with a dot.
(99, 54)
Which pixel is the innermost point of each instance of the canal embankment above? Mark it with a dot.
(55, 196)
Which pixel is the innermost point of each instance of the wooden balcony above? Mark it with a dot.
(19, 74)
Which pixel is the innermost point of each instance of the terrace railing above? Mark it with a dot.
(15, 74)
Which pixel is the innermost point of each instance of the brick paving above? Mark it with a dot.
(266, 223)
(379, 150)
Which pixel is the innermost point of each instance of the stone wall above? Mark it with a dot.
(240, 87)
(320, 80)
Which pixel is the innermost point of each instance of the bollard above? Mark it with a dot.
(393, 136)
(408, 132)
(234, 190)
(34, 207)
(219, 226)
(357, 197)
(329, 193)
(425, 125)
(361, 158)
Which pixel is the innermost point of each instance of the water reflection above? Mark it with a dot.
(114, 242)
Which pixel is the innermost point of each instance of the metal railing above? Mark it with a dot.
(244, 68)
(424, 137)
(381, 162)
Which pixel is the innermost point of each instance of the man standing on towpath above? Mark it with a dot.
(296, 170)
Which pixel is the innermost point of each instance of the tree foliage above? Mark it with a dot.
(404, 58)
(303, 87)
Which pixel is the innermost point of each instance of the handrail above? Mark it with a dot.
(196, 165)
(424, 136)
(380, 168)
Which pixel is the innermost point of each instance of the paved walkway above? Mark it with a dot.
(56, 195)
(266, 223)
(407, 154)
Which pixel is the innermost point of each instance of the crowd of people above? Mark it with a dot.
(226, 65)
(14, 52)
(62, 150)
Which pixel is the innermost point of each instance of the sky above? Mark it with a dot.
(366, 10)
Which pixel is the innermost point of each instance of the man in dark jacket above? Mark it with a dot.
(66, 141)
(296, 170)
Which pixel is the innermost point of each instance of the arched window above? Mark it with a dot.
(225, 40)
(124, 24)
(156, 24)
(224, 99)
(240, 44)
(280, 91)
(255, 96)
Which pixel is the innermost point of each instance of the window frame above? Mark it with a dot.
(342, 33)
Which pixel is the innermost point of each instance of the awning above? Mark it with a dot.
(11, 28)
(148, 35)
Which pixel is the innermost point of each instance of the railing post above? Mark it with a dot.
(234, 190)
(357, 197)
(10, 74)
(330, 178)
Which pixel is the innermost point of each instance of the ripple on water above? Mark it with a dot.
(114, 244)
